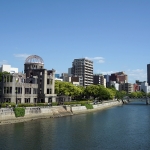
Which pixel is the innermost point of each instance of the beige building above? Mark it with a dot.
(128, 87)
(35, 85)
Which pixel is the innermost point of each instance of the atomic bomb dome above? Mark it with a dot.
(34, 59)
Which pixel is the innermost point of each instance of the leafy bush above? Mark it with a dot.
(19, 112)
(88, 106)
(83, 103)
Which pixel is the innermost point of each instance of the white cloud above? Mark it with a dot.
(22, 56)
(98, 59)
(3, 62)
(137, 74)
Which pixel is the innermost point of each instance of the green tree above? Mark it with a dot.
(120, 94)
(3, 73)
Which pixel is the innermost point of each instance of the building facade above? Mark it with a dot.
(107, 77)
(128, 87)
(99, 79)
(83, 68)
(36, 85)
(8, 68)
(119, 77)
(148, 74)
(145, 87)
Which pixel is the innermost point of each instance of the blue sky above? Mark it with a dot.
(115, 34)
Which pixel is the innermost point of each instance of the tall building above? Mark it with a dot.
(148, 74)
(119, 77)
(83, 68)
(107, 77)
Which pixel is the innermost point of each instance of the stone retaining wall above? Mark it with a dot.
(7, 114)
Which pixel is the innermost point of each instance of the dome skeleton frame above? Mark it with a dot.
(34, 59)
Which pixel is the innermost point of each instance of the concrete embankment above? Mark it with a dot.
(96, 107)
(7, 115)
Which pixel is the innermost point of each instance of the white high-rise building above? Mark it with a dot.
(8, 68)
(83, 68)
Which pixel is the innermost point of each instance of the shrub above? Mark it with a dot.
(4, 104)
(25, 105)
(19, 112)
(88, 106)
(54, 103)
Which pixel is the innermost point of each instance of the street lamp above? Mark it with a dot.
(16, 96)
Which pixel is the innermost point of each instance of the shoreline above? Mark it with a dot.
(79, 110)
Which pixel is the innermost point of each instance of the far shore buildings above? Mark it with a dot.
(8, 68)
(35, 85)
(119, 77)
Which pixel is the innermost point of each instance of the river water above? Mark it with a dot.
(124, 127)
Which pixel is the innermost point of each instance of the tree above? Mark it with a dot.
(3, 73)
(120, 94)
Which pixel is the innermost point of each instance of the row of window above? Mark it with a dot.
(18, 90)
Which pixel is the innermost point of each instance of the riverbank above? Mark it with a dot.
(33, 113)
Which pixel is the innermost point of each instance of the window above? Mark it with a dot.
(47, 81)
(47, 91)
(27, 100)
(34, 91)
(27, 90)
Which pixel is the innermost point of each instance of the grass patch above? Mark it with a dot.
(88, 106)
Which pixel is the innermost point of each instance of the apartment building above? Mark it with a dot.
(99, 79)
(128, 87)
(83, 68)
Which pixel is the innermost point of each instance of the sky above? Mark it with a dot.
(115, 34)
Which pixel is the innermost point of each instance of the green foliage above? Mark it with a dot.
(76, 102)
(137, 94)
(148, 94)
(67, 89)
(120, 94)
(19, 112)
(3, 73)
(88, 106)
(26, 105)
(82, 103)
(8, 104)
(54, 103)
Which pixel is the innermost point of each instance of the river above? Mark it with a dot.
(125, 127)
